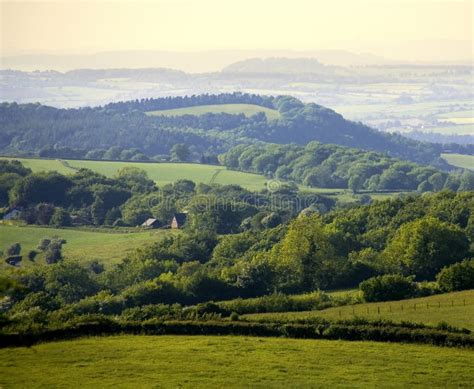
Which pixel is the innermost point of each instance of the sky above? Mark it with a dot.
(395, 29)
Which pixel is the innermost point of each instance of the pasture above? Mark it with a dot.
(161, 173)
(460, 160)
(108, 247)
(246, 109)
(456, 309)
(229, 361)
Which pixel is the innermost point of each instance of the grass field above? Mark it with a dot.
(456, 309)
(83, 246)
(161, 173)
(205, 361)
(246, 109)
(460, 160)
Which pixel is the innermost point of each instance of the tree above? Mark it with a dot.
(303, 258)
(424, 246)
(60, 218)
(388, 287)
(459, 276)
(53, 253)
(14, 249)
(180, 153)
(466, 181)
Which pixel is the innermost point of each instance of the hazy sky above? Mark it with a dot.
(399, 29)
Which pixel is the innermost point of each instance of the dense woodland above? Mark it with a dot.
(395, 248)
(331, 166)
(36, 129)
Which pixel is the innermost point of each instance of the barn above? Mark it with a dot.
(151, 223)
(179, 220)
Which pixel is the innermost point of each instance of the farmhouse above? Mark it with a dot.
(179, 219)
(151, 223)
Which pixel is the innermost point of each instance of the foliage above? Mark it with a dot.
(388, 287)
(459, 276)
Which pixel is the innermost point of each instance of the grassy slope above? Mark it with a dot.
(460, 160)
(161, 173)
(84, 246)
(246, 109)
(458, 315)
(204, 361)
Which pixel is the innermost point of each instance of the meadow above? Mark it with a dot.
(165, 173)
(456, 309)
(161, 173)
(228, 361)
(247, 109)
(108, 247)
(460, 160)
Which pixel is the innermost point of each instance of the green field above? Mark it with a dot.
(205, 361)
(161, 173)
(246, 109)
(460, 160)
(456, 309)
(84, 246)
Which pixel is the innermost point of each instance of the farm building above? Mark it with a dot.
(151, 223)
(179, 219)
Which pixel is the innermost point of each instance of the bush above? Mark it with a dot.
(459, 276)
(388, 287)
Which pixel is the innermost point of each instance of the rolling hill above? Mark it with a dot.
(32, 128)
(161, 173)
(144, 361)
(456, 309)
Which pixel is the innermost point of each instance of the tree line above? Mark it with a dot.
(331, 166)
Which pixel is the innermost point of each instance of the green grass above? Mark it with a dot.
(205, 361)
(246, 109)
(460, 160)
(82, 245)
(161, 173)
(448, 307)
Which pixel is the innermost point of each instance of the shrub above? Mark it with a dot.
(388, 287)
(459, 276)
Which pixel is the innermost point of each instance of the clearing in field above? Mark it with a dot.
(108, 247)
(247, 109)
(460, 160)
(227, 361)
(456, 309)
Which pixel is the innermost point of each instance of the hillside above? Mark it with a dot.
(456, 309)
(232, 109)
(161, 173)
(33, 129)
(460, 160)
(144, 361)
(85, 246)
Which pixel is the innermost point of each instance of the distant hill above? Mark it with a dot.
(73, 133)
(205, 61)
(279, 65)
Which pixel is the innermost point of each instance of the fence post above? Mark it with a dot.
(378, 310)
